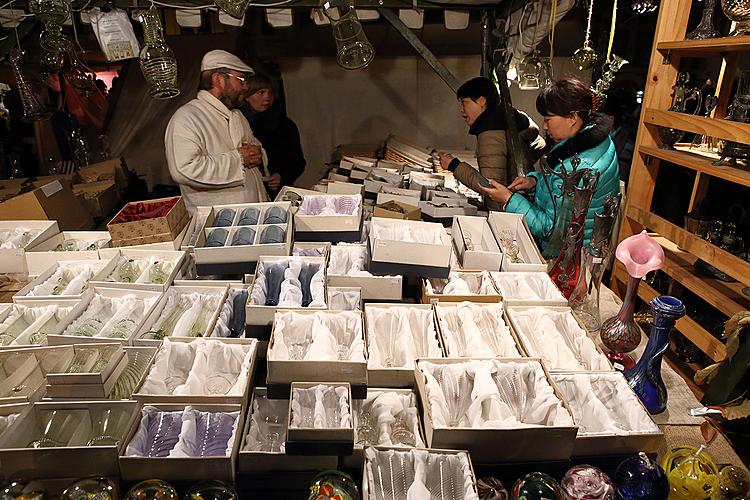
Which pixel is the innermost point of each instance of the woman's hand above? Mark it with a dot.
(524, 184)
(497, 192)
(445, 159)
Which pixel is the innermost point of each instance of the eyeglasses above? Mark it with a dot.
(242, 79)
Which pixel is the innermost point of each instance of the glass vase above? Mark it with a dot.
(158, 62)
(705, 28)
(739, 12)
(33, 110)
(353, 49)
(645, 377)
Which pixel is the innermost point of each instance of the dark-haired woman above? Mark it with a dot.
(577, 131)
(479, 105)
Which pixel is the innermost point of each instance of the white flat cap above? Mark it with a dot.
(216, 59)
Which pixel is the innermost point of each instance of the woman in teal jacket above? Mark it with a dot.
(578, 132)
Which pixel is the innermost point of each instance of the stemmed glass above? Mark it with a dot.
(213, 430)
(444, 476)
(366, 424)
(400, 431)
(515, 397)
(106, 428)
(220, 383)
(457, 392)
(163, 432)
(388, 323)
(509, 245)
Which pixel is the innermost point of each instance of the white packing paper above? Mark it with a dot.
(398, 335)
(475, 330)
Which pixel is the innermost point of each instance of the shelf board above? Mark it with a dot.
(706, 47)
(699, 163)
(731, 264)
(698, 335)
(714, 127)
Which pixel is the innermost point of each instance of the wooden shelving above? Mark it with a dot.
(705, 48)
(722, 129)
(699, 163)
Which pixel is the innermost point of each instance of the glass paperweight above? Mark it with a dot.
(153, 489)
(692, 474)
(586, 482)
(490, 488)
(733, 483)
(91, 488)
(640, 478)
(22, 490)
(537, 486)
(333, 484)
(211, 490)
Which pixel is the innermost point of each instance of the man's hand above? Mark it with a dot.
(252, 156)
(524, 184)
(497, 192)
(445, 159)
(274, 182)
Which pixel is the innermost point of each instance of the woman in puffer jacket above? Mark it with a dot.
(479, 105)
(578, 133)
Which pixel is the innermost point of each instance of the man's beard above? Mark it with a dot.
(231, 102)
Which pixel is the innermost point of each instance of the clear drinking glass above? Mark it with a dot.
(160, 271)
(400, 431)
(89, 327)
(123, 329)
(84, 360)
(107, 427)
(56, 428)
(128, 271)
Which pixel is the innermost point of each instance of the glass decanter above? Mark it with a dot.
(158, 62)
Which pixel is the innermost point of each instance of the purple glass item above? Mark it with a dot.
(213, 432)
(345, 205)
(163, 432)
(274, 278)
(312, 205)
(586, 482)
(640, 478)
(490, 488)
(645, 378)
(640, 254)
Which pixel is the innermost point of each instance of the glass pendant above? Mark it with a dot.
(609, 71)
(158, 61)
(50, 11)
(235, 8)
(529, 72)
(32, 108)
(353, 49)
(585, 57)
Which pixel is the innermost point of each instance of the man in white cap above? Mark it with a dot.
(211, 150)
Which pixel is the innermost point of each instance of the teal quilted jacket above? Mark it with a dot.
(597, 152)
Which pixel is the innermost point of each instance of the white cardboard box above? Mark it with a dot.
(344, 188)
(101, 268)
(541, 277)
(343, 435)
(475, 243)
(13, 260)
(176, 256)
(114, 366)
(29, 367)
(329, 223)
(392, 256)
(63, 310)
(527, 248)
(373, 287)
(43, 255)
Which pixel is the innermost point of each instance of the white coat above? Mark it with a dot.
(201, 144)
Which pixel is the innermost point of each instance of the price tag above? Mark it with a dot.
(618, 367)
(52, 188)
(598, 260)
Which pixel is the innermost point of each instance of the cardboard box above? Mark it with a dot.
(331, 228)
(314, 441)
(27, 368)
(163, 228)
(109, 170)
(10, 411)
(48, 201)
(99, 198)
(409, 212)
(444, 211)
(266, 461)
(476, 244)
(492, 445)
(393, 257)
(543, 277)
(175, 256)
(170, 244)
(133, 468)
(62, 309)
(287, 371)
(100, 268)
(42, 256)
(95, 391)
(527, 248)
(13, 260)
(73, 460)
(429, 296)
(344, 188)
(113, 364)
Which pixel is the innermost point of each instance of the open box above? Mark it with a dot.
(373, 287)
(398, 376)
(443, 210)
(115, 363)
(393, 250)
(24, 382)
(238, 259)
(527, 248)
(78, 388)
(320, 441)
(13, 260)
(141, 337)
(247, 371)
(344, 298)
(148, 258)
(648, 437)
(580, 351)
(79, 421)
(344, 188)
(57, 336)
(43, 255)
(494, 445)
(268, 461)
(100, 269)
(504, 346)
(431, 285)
(475, 243)
(528, 289)
(149, 229)
(44, 320)
(330, 228)
(285, 371)
(369, 483)
(135, 468)
(9, 413)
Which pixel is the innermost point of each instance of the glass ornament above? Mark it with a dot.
(640, 478)
(50, 11)
(23, 490)
(333, 484)
(705, 28)
(91, 488)
(490, 488)
(235, 8)
(353, 49)
(211, 490)
(733, 484)
(586, 482)
(537, 486)
(158, 62)
(691, 472)
(32, 108)
(152, 489)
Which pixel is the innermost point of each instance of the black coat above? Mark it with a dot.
(280, 138)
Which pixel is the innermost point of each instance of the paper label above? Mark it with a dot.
(20, 252)
(52, 188)
(618, 367)
(346, 369)
(598, 260)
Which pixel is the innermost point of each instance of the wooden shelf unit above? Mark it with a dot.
(683, 249)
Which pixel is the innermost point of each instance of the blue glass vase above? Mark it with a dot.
(645, 377)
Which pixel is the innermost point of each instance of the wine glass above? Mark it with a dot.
(401, 434)
(56, 428)
(455, 386)
(106, 427)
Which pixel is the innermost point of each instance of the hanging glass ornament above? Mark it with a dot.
(609, 71)
(235, 8)
(52, 62)
(530, 72)
(585, 57)
(79, 75)
(50, 11)
(158, 62)
(32, 108)
(52, 39)
(353, 49)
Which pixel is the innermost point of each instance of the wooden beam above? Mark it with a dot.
(712, 46)
(698, 162)
(700, 187)
(724, 84)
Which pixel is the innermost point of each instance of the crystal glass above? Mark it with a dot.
(33, 110)
(564, 207)
(213, 432)
(249, 216)
(444, 478)
(214, 490)
(83, 360)
(512, 392)
(50, 11)
(332, 408)
(353, 49)
(123, 329)
(91, 488)
(23, 490)
(163, 432)
(275, 215)
(739, 12)
(609, 72)
(158, 62)
(220, 383)
(456, 389)
(272, 235)
(739, 111)
(159, 271)
(56, 428)
(201, 322)
(12, 328)
(367, 434)
(243, 236)
(334, 484)
(107, 426)
(235, 8)
(128, 271)
(8, 366)
(274, 274)
(164, 326)
(705, 28)
(272, 430)
(394, 474)
(138, 362)
(401, 433)
(153, 489)
(62, 282)
(89, 327)
(69, 245)
(224, 218)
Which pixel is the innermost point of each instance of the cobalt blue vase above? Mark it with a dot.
(645, 377)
